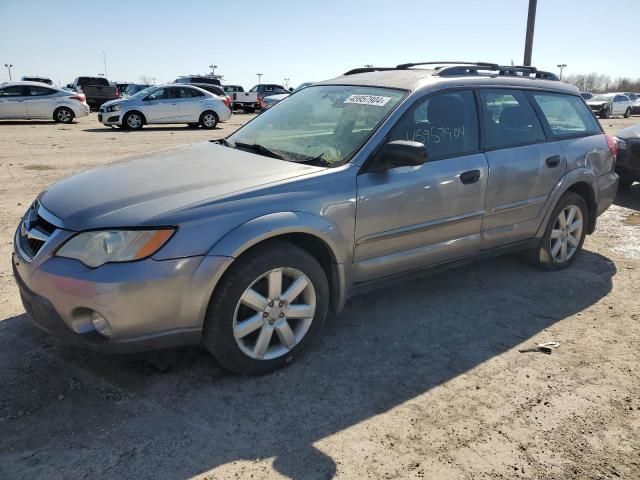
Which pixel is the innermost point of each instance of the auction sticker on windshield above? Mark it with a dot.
(368, 100)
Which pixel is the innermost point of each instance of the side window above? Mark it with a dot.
(38, 91)
(184, 92)
(509, 119)
(158, 95)
(254, 89)
(13, 91)
(566, 114)
(446, 123)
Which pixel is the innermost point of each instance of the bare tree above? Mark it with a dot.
(601, 83)
(147, 79)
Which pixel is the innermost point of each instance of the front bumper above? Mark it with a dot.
(109, 118)
(149, 304)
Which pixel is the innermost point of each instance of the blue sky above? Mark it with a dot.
(306, 40)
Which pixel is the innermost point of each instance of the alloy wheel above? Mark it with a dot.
(274, 313)
(566, 234)
(64, 115)
(209, 120)
(134, 121)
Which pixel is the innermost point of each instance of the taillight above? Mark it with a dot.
(80, 98)
(260, 103)
(611, 143)
(227, 101)
(117, 92)
(235, 96)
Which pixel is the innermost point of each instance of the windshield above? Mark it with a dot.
(135, 88)
(601, 98)
(326, 123)
(144, 93)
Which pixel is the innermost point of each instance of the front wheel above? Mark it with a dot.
(209, 120)
(565, 234)
(604, 113)
(133, 121)
(267, 308)
(63, 115)
(627, 113)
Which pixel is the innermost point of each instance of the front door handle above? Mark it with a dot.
(472, 176)
(553, 161)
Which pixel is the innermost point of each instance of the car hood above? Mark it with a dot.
(134, 191)
(629, 133)
(277, 98)
(597, 102)
(114, 102)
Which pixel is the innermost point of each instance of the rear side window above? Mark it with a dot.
(509, 119)
(566, 115)
(446, 123)
(37, 91)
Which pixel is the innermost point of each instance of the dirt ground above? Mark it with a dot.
(421, 380)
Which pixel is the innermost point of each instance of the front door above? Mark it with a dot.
(523, 167)
(13, 102)
(411, 217)
(159, 107)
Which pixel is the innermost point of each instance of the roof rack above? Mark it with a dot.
(455, 68)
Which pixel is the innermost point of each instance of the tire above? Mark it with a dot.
(544, 256)
(193, 125)
(625, 182)
(252, 273)
(63, 115)
(627, 113)
(133, 121)
(604, 113)
(209, 119)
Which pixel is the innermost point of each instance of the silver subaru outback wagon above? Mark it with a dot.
(247, 244)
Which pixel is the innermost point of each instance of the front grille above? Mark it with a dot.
(34, 232)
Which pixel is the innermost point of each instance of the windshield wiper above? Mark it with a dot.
(261, 149)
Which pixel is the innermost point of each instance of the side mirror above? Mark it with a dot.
(401, 153)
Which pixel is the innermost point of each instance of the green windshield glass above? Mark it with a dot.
(326, 124)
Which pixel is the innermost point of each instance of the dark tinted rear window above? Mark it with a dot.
(93, 81)
(566, 115)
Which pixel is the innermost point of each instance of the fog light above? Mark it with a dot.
(100, 324)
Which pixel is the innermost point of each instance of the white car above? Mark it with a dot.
(166, 104)
(35, 100)
(610, 104)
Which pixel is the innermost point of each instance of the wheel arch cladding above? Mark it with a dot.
(585, 190)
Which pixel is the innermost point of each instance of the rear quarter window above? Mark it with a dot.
(566, 115)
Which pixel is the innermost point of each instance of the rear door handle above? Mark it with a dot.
(472, 176)
(553, 161)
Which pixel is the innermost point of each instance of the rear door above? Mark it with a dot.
(523, 167)
(411, 217)
(41, 102)
(13, 102)
(189, 101)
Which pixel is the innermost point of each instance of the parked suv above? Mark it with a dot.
(198, 79)
(246, 244)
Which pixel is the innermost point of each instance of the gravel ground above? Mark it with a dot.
(421, 380)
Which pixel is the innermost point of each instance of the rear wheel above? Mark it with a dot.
(209, 120)
(267, 308)
(133, 121)
(565, 234)
(63, 115)
(627, 113)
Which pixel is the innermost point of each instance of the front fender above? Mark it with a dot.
(237, 241)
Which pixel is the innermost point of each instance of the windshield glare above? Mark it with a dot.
(328, 123)
(144, 93)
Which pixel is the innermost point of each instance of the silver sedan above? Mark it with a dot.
(35, 100)
(166, 104)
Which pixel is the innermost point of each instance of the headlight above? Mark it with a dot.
(100, 247)
(113, 108)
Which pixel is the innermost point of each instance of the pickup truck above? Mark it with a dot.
(97, 90)
(247, 101)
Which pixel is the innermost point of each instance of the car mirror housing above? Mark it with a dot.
(401, 153)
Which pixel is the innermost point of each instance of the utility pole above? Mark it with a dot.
(259, 77)
(531, 23)
(213, 70)
(9, 65)
(104, 59)
(561, 66)
(286, 82)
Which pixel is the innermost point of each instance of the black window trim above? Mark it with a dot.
(23, 88)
